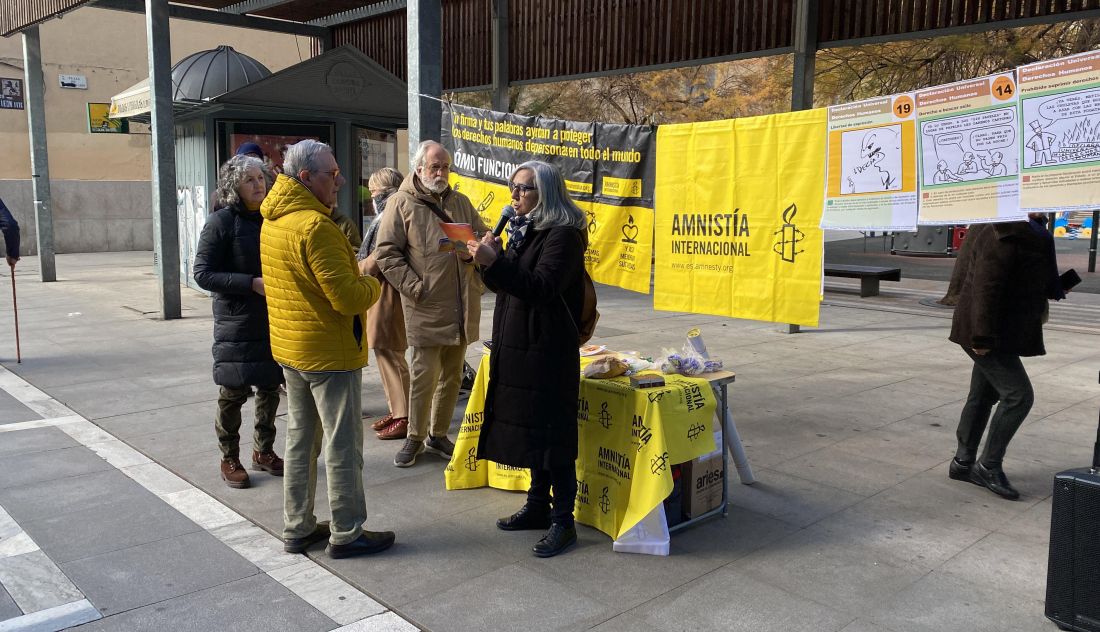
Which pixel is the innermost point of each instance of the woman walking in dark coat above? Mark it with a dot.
(531, 402)
(227, 263)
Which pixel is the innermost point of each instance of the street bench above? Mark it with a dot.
(869, 276)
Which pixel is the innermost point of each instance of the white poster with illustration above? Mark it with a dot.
(871, 179)
(1060, 134)
(969, 151)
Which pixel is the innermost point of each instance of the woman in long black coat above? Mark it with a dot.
(227, 263)
(531, 403)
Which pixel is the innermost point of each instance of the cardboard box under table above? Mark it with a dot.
(629, 440)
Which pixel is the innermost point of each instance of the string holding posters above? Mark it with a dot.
(969, 148)
(1060, 146)
(871, 165)
(738, 208)
(608, 170)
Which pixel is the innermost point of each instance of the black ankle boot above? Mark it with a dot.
(959, 470)
(556, 540)
(994, 480)
(527, 517)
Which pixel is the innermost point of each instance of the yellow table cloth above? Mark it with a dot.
(629, 439)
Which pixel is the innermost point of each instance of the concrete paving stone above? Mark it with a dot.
(728, 599)
(256, 545)
(423, 563)
(8, 609)
(252, 604)
(22, 469)
(694, 552)
(860, 474)
(108, 398)
(780, 438)
(1010, 564)
(1033, 523)
(12, 411)
(831, 568)
(906, 535)
(796, 501)
(127, 522)
(937, 497)
(155, 478)
(941, 601)
(861, 625)
(35, 582)
(332, 596)
(17, 544)
(203, 509)
(34, 440)
(153, 572)
(388, 621)
(184, 440)
(504, 602)
(24, 502)
(625, 623)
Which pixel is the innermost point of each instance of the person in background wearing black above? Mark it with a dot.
(1003, 303)
(227, 263)
(10, 228)
(531, 402)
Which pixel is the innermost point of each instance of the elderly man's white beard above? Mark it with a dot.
(436, 186)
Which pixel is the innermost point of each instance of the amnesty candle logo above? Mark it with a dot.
(471, 460)
(604, 416)
(605, 501)
(694, 430)
(659, 463)
(790, 237)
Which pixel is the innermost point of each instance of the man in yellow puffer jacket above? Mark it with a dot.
(315, 298)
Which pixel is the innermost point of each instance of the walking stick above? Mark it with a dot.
(15, 310)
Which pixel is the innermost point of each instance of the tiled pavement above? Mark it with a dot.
(93, 532)
(852, 527)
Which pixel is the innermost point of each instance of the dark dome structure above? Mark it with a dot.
(211, 73)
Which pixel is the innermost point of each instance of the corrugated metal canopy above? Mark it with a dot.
(553, 40)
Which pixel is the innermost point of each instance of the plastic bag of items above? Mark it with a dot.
(692, 359)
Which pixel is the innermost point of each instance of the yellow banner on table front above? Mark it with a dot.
(738, 212)
(628, 440)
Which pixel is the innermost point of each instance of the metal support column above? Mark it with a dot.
(802, 81)
(40, 163)
(1092, 240)
(501, 102)
(424, 23)
(805, 53)
(165, 222)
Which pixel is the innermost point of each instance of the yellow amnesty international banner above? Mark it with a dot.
(608, 170)
(738, 213)
(628, 440)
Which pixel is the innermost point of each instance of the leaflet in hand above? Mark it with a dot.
(457, 236)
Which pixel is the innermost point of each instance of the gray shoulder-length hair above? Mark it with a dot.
(232, 173)
(555, 207)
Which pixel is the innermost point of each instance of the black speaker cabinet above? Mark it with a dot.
(1073, 573)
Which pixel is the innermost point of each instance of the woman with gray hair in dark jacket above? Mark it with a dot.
(227, 263)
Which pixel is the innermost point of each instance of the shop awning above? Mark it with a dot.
(131, 101)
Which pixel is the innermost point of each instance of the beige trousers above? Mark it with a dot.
(395, 380)
(436, 378)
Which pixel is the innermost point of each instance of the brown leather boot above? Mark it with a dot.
(398, 429)
(267, 462)
(382, 423)
(233, 473)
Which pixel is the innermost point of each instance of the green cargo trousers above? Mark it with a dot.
(324, 407)
(227, 422)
